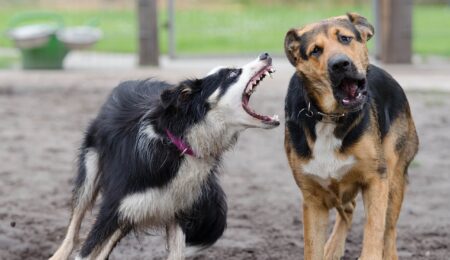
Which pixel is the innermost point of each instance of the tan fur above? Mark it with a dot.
(379, 172)
(315, 69)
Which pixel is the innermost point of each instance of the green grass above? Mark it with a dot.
(239, 28)
(246, 29)
(431, 34)
(118, 26)
(8, 62)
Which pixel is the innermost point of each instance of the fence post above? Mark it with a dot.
(394, 19)
(171, 27)
(377, 24)
(148, 32)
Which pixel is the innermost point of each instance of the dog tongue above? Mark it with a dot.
(350, 88)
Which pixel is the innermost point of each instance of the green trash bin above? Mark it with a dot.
(38, 43)
(49, 56)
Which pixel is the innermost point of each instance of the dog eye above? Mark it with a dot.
(316, 51)
(345, 39)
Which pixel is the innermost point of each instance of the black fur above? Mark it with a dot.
(128, 164)
(387, 95)
(204, 229)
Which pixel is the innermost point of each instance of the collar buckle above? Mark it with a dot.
(331, 118)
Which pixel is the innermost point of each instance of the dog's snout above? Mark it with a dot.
(339, 63)
(264, 56)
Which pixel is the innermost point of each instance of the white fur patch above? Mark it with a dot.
(175, 242)
(149, 132)
(160, 204)
(83, 200)
(212, 99)
(325, 164)
(213, 136)
(87, 190)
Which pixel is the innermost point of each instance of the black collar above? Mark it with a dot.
(310, 110)
(313, 112)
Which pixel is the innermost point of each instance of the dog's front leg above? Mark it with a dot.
(315, 221)
(176, 241)
(375, 197)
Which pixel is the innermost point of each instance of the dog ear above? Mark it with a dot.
(169, 97)
(292, 46)
(185, 93)
(362, 25)
(176, 96)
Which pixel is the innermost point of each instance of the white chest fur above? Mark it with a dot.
(161, 204)
(325, 163)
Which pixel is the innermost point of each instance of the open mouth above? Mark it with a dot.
(250, 88)
(354, 92)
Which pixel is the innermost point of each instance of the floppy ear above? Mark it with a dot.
(292, 46)
(362, 25)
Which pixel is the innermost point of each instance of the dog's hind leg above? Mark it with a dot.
(84, 195)
(112, 242)
(335, 246)
(105, 233)
(176, 241)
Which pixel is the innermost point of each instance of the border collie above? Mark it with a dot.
(154, 152)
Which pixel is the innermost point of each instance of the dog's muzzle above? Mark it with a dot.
(349, 85)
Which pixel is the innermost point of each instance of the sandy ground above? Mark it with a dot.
(41, 128)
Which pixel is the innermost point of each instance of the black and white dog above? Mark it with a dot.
(154, 151)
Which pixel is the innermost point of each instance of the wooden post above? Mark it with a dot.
(395, 31)
(148, 32)
(376, 5)
(171, 28)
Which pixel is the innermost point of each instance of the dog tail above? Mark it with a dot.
(84, 194)
(205, 223)
(86, 185)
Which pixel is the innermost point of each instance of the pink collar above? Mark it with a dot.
(178, 142)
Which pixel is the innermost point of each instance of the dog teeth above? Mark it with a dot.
(250, 88)
(275, 117)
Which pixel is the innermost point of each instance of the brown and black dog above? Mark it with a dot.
(348, 129)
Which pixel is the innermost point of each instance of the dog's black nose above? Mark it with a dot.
(264, 56)
(339, 63)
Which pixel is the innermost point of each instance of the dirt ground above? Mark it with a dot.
(41, 128)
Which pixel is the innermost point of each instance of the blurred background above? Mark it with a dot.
(59, 60)
(228, 27)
